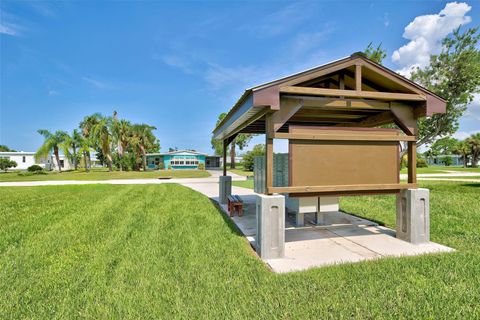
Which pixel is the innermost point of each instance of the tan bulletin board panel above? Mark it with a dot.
(323, 163)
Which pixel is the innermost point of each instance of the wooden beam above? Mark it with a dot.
(358, 77)
(343, 137)
(404, 118)
(225, 145)
(341, 104)
(385, 117)
(352, 93)
(340, 188)
(412, 162)
(288, 107)
(269, 132)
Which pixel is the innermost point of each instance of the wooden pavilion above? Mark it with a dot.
(334, 118)
(330, 108)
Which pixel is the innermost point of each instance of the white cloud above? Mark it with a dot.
(473, 109)
(98, 83)
(462, 135)
(53, 93)
(174, 61)
(8, 29)
(426, 33)
(281, 21)
(386, 20)
(9, 24)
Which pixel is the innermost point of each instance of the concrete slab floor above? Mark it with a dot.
(345, 238)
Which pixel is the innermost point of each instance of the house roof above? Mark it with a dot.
(179, 152)
(258, 100)
(17, 153)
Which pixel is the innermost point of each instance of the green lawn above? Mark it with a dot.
(243, 184)
(165, 251)
(104, 174)
(240, 170)
(442, 169)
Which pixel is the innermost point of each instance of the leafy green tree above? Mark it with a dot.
(217, 145)
(4, 148)
(462, 148)
(375, 54)
(447, 160)
(445, 145)
(52, 142)
(248, 157)
(454, 74)
(145, 141)
(240, 141)
(72, 142)
(474, 143)
(6, 164)
(121, 132)
(87, 125)
(103, 138)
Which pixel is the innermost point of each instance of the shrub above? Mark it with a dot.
(5, 164)
(201, 166)
(31, 173)
(258, 150)
(161, 166)
(421, 163)
(448, 161)
(34, 168)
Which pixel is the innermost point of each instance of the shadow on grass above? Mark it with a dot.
(233, 227)
(472, 185)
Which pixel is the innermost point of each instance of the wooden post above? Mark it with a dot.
(225, 145)
(412, 162)
(268, 152)
(358, 77)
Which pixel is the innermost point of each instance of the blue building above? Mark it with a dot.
(182, 159)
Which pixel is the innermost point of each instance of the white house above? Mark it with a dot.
(24, 159)
(65, 163)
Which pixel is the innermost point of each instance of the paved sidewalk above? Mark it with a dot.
(212, 179)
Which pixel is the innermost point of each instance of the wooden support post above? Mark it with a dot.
(412, 162)
(358, 77)
(268, 152)
(225, 145)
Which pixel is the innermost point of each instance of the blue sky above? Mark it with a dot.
(177, 65)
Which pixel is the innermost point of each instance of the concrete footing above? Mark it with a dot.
(413, 216)
(225, 188)
(270, 235)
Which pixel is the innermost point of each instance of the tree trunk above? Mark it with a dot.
(109, 161)
(57, 157)
(75, 164)
(144, 159)
(89, 164)
(464, 160)
(85, 159)
(232, 155)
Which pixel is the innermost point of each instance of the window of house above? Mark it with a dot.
(23, 159)
(62, 163)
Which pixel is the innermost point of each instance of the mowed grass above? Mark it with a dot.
(104, 174)
(244, 184)
(165, 251)
(442, 169)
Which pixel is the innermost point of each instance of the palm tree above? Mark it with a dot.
(103, 137)
(462, 148)
(121, 132)
(84, 148)
(145, 140)
(474, 143)
(87, 125)
(73, 142)
(53, 141)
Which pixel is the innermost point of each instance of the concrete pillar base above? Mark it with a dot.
(270, 238)
(413, 215)
(225, 184)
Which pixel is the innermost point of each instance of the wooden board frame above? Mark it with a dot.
(391, 184)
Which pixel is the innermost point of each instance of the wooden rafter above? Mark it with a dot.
(352, 93)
